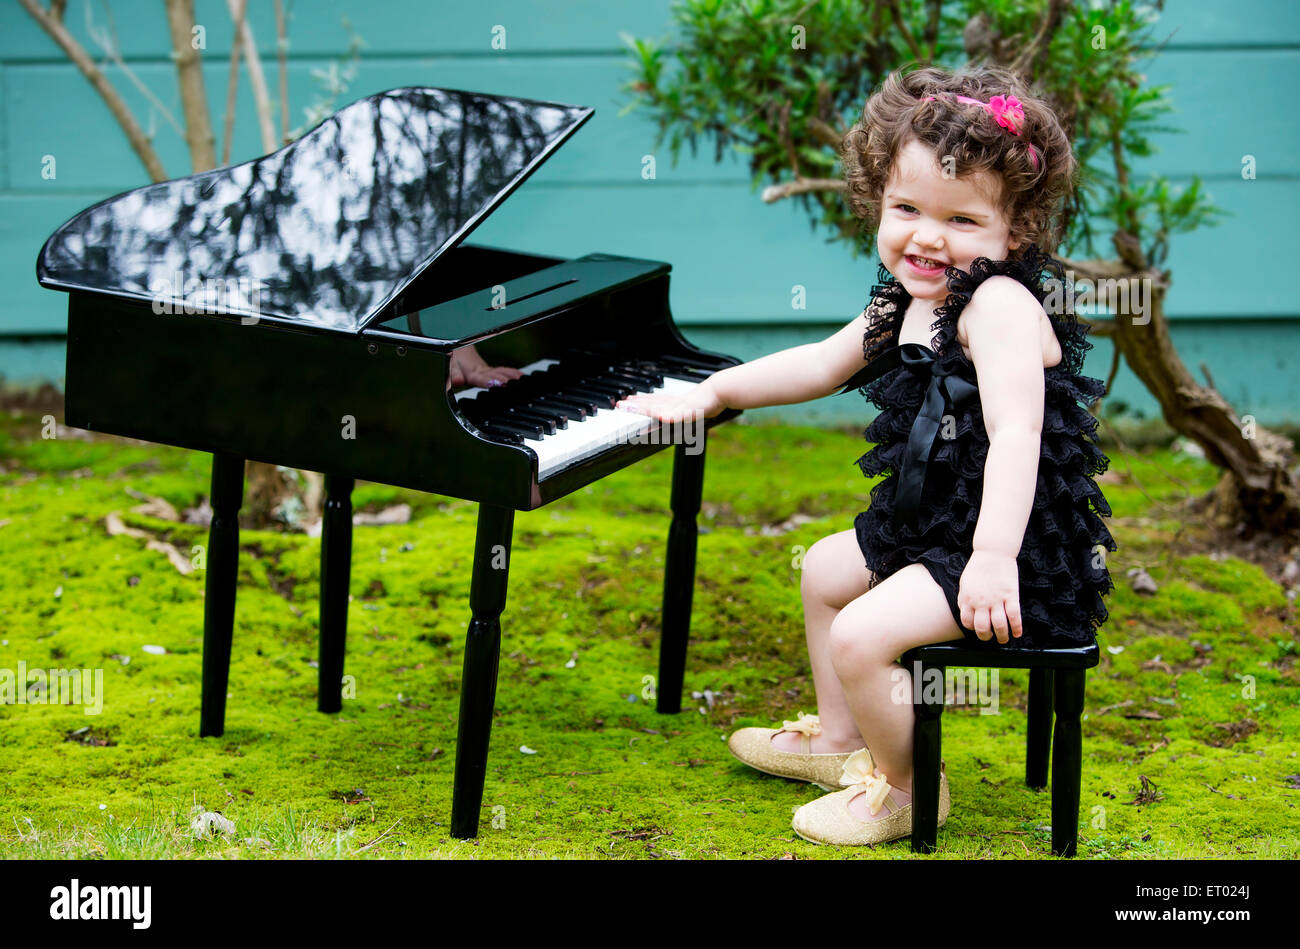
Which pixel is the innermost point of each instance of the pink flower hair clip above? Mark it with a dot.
(1006, 111)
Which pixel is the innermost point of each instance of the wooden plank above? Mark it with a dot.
(734, 259)
(1216, 24)
(608, 149)
(1220, 124)
(1228, 104)
(416, 27)
(402, 27)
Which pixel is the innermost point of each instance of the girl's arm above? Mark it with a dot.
(1003, 320)
(798, 374)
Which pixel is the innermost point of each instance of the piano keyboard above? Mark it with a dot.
(565, 411)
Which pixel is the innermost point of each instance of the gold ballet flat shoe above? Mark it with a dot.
(827, 820)
(753, 746)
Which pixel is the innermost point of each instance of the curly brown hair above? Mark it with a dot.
(1033, 196)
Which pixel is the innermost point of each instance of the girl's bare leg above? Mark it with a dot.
(833, 576)
(865, 640)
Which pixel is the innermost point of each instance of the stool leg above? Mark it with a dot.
(927, 740)
(1039, 746)
(478, 687)
(219, 590)
(679, 577)
(335, 573)
(1067, 761)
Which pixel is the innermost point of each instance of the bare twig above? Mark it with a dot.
(257, 81)
(194, 97)
(282, 55)
(380, 837)
(107, 42)
(1114, 371)
(53, 25)
(232, 84)
(1028, 59)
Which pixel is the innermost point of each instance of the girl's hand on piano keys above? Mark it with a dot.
(700, 402)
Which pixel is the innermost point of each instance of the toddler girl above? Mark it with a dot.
(988, 523)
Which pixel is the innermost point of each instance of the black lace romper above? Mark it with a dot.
(926, 509)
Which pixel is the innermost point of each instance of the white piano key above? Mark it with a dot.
(592, 435)
(606, 429)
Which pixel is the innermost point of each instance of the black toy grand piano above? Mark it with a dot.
(301, 309)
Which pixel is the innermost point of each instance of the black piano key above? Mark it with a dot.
(656, 379)
(568, 407)
(682, 371)
(626, 386)
(642, 381)
(600, 384)
(533, 418)
(534, 408)
(603, 400)
(537, 385)
(519, 427)
(688, 362)
(589, 406)
(561, 408)
(591, 402)
(501, 435)
(537, 409)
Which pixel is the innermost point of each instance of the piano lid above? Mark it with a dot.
(325, 231)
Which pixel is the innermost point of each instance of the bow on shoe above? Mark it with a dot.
(806, 724)
(944, 395)
(860, 773)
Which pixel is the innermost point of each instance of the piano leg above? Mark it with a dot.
(335, 574)
(478, 688)
(219, 596)
(679, 576)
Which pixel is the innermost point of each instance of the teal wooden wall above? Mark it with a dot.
(1235, 69)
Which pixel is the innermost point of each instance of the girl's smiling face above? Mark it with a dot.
(929, 222)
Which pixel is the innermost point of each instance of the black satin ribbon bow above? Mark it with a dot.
(946, 392)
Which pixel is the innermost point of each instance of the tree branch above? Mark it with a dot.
(1121, 178)
(786, 139)
(107, 42)
(1031, 57)
(825, 134)
(932, 27)
(282, 55)
(194, 97)
(801, 186)
(52, 24)
(907, 34)
(232, 84)
(257, 81)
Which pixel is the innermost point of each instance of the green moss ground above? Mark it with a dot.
(610, 776)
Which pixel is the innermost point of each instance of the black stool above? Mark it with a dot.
(1056, 678)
